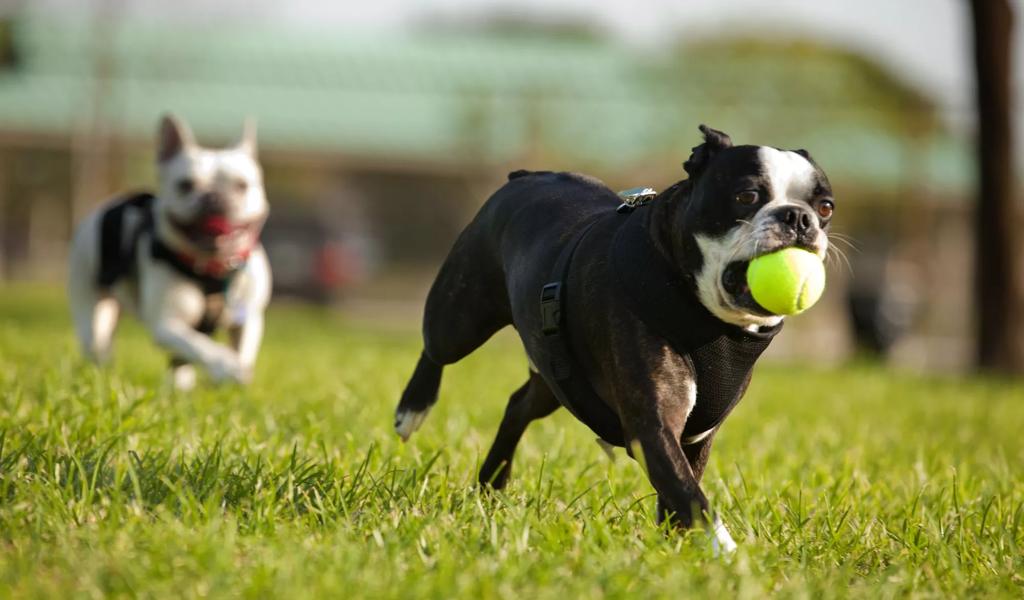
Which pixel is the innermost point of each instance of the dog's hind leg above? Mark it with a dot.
(94, 311)
(420, 394)
(95, 315)
(534, 400)
(94, 325)
(466, 305)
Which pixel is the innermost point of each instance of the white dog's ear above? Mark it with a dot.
(248, 141)
(174, 136)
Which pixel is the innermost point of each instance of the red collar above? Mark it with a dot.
(217, 266)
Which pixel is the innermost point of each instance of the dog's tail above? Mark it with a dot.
(419, 396)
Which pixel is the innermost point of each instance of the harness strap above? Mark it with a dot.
(552, 296)
(117, 254)
(569, 385)
(209, 284)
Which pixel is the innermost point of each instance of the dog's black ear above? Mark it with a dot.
(714, 142)
(804, 154)
(173, 137)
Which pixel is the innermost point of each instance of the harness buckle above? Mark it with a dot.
(551, 308)
(634, 198)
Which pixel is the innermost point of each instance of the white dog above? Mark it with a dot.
(186, 261)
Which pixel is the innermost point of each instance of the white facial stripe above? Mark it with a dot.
(789, 174)
(790, 177)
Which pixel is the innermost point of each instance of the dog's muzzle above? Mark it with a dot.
(214, 231)
(790, 230)
(734, 282)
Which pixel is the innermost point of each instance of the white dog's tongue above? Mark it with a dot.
(216, 225)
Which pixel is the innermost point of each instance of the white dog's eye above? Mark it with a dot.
(241, 186)
(747, 197)
(185, 186)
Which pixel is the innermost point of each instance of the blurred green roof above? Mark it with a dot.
(463, 97)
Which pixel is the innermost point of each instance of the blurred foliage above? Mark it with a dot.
(809, 75)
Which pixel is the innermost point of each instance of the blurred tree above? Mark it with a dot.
(998, 293)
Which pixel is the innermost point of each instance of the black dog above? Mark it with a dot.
(638, 320)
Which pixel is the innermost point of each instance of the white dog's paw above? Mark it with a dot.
(228, 369)
(722, 543)
(183, 378)
(408, 421)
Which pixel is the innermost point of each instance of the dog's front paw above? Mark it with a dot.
(722, 543)
(183, 378)
(228, 369)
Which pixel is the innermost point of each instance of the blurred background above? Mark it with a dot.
(384, 126)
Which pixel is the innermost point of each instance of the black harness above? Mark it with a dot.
(118, 254)
(722, 355)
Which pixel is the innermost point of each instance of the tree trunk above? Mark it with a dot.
(998, 294)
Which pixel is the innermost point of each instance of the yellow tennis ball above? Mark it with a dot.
(786, 282)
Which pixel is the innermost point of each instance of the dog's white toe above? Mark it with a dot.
(184, 378)
(722, 543)
(408, 421)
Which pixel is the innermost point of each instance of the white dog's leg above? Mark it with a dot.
(247, 338)
(247, 309)
(183, 377)
(94, 313)
(95, 321)
(194, 347)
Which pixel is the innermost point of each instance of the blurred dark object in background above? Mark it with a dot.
(998, 284)
(8, 49)
(881, 299)
(311, 258)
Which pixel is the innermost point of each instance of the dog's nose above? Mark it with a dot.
(798, 218)
(212, 202)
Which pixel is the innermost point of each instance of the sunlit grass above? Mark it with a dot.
(854, 482)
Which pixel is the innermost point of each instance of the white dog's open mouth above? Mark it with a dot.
(215, 232)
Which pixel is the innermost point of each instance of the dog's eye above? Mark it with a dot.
(825, 209)
(241, 186)
(747, 197)
(185, 186)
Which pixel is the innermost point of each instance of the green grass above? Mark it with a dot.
(855, 482)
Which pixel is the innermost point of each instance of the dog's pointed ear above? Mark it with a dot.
(714, 142)
(247, 142)
(173, 137)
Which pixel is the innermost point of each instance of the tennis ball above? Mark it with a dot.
(786, 282)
